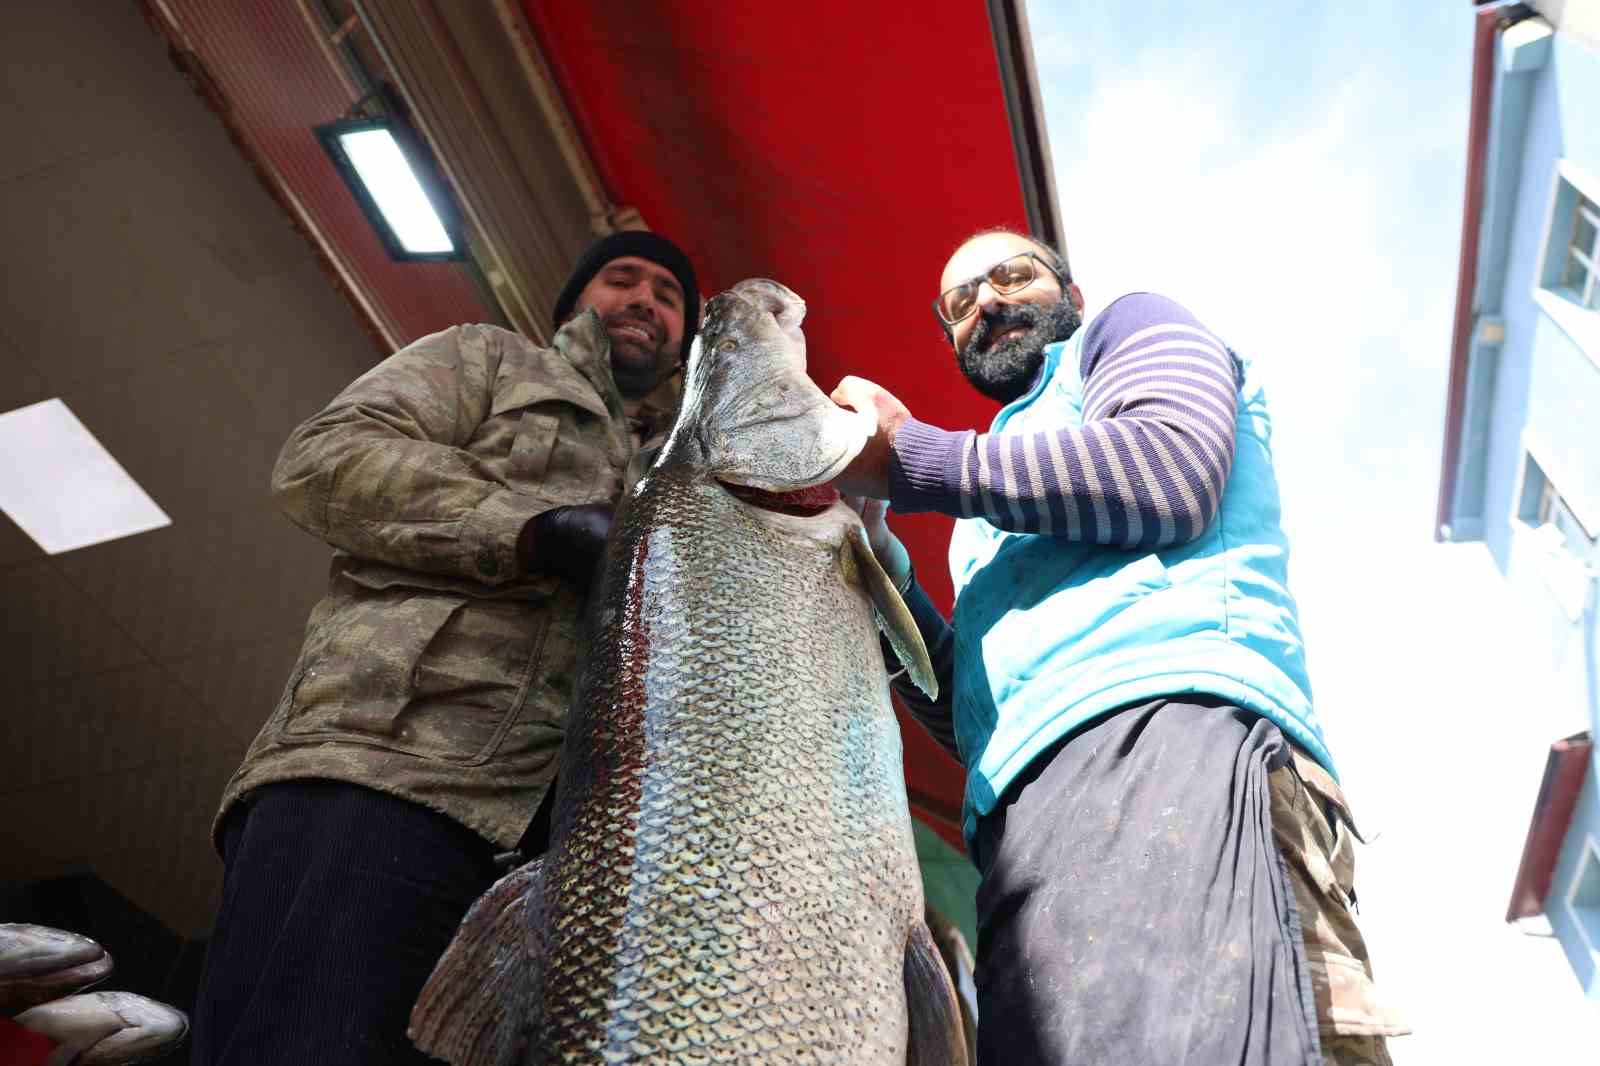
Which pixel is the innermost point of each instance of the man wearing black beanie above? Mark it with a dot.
(643, 289)
(466, 484)
(636, 244)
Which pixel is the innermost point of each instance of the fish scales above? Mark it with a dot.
(749, 879)
(732, 877)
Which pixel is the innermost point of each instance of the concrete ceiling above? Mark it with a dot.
(155, 287)
(189, 274)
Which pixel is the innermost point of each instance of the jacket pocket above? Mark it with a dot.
(563, 454)
(531, 447)
(414, 670)
(357, 677)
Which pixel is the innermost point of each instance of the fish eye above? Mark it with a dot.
(727, 345)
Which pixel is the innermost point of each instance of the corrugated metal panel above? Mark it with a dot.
(475, 99)
(276, 83)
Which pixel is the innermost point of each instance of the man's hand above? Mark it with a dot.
(890, 552)
(868, 473)
(566, 541)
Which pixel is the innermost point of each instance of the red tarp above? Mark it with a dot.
(841, 150)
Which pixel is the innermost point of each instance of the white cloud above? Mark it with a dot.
(1167, 190)
(1288, 243)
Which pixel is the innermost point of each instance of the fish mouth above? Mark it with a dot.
(806, 502)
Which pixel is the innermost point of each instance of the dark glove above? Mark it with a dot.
(565, 541)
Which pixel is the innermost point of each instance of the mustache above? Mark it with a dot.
(996, 321)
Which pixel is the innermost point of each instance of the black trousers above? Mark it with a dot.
(1134, 908)
(336, 904)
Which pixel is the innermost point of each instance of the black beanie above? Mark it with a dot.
(645, 245)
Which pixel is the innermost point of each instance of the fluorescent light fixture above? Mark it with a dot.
(62, 487)
(395, 185)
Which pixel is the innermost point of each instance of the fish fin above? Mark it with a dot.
(894, 617)
(638, 466)
(934, 1033)
(480, 1006)
(959, 964)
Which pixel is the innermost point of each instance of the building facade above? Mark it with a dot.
(1521, 465)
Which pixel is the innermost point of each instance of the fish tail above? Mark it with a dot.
(480, 1006)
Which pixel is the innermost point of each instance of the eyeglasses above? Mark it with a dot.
(1005, 277)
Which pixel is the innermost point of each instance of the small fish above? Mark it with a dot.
(38, 963)
(41, 966)
(732, 876)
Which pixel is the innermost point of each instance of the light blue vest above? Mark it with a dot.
(1052, 633)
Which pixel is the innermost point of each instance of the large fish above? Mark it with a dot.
(732, 876)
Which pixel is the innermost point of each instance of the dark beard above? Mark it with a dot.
(637, 377)
(635, 383)
(1004, 371)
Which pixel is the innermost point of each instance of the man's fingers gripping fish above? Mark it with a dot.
(731, 876)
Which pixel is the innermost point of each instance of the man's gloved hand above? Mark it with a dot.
(565, 541)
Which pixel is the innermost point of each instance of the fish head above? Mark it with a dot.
(750, 416)
(753, 423)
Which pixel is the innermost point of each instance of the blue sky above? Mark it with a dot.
(1295, 179)
(1294, 176)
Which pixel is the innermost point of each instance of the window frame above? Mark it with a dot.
(1538, 505)
(1571, 188)
(1584, 261)
(1590, 854)
(1552, 508)
(1566, 569)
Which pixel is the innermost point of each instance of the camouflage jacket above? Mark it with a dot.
(433, 669)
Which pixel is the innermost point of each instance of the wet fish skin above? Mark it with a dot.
(40, 965)
(732, 875)
(107, 1028)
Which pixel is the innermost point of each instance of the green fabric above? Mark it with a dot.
(949, 882)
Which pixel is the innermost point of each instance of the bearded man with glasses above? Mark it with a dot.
(1166, 855)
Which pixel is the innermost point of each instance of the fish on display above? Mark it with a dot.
(41, 967)
(732, 876)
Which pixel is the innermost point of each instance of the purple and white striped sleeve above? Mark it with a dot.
(1145, 470)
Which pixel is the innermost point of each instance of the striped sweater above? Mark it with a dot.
(1145, 470)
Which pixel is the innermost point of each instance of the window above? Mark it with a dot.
(1583, 899)
(1542, 504)
(1580, 274)
(1567, 284)
(1559, 545)
(1552, 510)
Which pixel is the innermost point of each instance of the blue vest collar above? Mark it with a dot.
(1047, 371)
